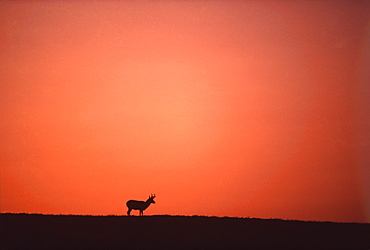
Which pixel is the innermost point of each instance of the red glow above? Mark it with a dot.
(242, 108)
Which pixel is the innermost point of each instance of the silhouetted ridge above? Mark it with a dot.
(35, 231)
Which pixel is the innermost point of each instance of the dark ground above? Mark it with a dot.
(32, 231)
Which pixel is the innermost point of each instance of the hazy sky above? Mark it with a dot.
(224, 108)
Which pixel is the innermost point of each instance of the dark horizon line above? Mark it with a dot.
(185, 216)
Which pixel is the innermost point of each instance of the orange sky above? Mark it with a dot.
(224, 108)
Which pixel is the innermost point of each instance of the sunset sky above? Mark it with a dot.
(220, 108)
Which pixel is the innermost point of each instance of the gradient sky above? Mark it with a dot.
(222, 108)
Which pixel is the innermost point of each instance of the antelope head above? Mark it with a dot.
(151, 199)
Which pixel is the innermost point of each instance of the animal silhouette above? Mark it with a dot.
(139, 205)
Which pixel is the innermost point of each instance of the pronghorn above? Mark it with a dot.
(139, 205)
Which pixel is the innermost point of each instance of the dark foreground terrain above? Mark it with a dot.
(32, 231)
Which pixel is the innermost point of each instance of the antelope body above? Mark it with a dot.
(139, 205)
